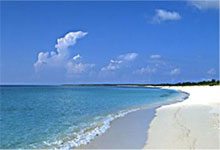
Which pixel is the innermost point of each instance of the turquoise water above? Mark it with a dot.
(62, 117)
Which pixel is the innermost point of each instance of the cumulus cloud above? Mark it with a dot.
(121, 59)
(76, 57)
(77, 68)
(164, 15)
(68, 40)
(147, 70)
(113, 65)
(155, 56)
(61, 57)
(205, 4)
(175, 71)
(211, 71)
(128, 56)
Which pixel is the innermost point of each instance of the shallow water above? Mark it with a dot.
(62, 117)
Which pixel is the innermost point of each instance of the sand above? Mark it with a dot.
(127, 132)
(191, 124)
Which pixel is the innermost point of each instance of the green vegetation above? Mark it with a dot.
(210, 83)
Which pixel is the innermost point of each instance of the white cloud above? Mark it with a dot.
(113, 65)
(205, 4)
(175, 71)
(147, 70)
(42, 58)
(62, 52)
(76, 57)
(69, 39)
(211, 71)
(155, 56)
(77, 68)
(164, 15)
(61, 58)
(121, 59)
(128, 56)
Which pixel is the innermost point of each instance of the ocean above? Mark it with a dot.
(68, 116)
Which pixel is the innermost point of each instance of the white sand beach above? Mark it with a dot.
(191, 124)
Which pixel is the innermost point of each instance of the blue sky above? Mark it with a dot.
(108, 42)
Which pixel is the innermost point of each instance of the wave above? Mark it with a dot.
(99, 126)
(85, 135)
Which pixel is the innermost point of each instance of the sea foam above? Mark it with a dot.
(85, 135)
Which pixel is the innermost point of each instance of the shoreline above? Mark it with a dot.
(190, 124)
(123, 133)
(128, 136)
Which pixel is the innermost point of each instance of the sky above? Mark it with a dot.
(109, 42)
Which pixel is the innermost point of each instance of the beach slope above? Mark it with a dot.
(191, 124)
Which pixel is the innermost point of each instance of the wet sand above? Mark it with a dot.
(127, 132)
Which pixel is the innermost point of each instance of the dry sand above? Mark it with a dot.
(191, 124)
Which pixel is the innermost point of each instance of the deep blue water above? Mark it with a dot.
(59, 116)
